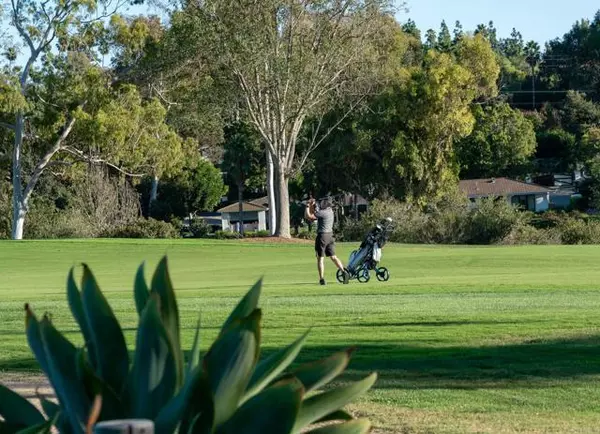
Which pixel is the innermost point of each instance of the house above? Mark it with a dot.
(532, 197)
(263, 202)
(254, 217)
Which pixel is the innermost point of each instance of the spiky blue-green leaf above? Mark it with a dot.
(153, 380)
(318, 406)
(106, 334)
(273, 410)
(229, 364)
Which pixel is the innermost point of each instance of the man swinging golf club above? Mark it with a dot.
(325, 243)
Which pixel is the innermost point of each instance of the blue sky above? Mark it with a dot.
(538, 20)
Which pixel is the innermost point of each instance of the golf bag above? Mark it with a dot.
(369, 254)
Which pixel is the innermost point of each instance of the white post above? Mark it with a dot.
(130, 426)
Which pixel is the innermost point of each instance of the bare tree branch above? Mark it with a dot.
(96, 160)
(45, 160)
(7, 125)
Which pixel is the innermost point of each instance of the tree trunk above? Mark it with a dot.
(241, 207)
(283, 199)
(18, 224)
(356, 206)
(19, 210)
(271, 194)
(153, 194)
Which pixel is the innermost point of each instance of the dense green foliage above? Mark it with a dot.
(191, 109)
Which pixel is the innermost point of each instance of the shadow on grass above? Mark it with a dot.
(534, 363)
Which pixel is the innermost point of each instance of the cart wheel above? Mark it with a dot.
(364, 276)
(383, 275)
(340, 276)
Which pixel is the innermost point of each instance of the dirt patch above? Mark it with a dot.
(29, 386)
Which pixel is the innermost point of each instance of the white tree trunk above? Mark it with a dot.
(241, 206)
(271, 194)
(18, 223)
(283, 199)
(153, 194)
(19, 210)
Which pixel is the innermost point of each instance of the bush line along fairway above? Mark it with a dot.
(486, 339)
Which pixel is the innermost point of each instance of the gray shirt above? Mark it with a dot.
(324, 221)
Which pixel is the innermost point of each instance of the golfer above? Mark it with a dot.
(325, 243)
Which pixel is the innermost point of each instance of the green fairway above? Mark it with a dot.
(465, 339)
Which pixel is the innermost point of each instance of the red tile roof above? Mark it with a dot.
(498, 187)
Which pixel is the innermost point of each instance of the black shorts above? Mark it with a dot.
(325, 245)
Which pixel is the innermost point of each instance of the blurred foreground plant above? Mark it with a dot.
(227, 390)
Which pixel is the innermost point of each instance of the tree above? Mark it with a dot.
(533, 58)
(430, 39)
(554, 150)
(458, 32)
(501, 143)
(189, 190)
(242, 160)
(573, 61)
(134, 133)
(433, 112)
(69, 73)
(292, 61)
(444, 42)
(149, 56)
(579, 113)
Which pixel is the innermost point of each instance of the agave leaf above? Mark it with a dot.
(273, 410)
(76, 305)
(141, 292)
(112, 407)
(163, 287)
(318, 406)
(194, 361)
(16, 410)
(62, 365)
(229, 364)
(153, 376)
(358, 426)
(188, 407)
(316, 374)
(34, 339)
(40, 428)
(245, 307)
(106, 335)
(268, 369)
(336, 415)
(52, 411)
(50, 408)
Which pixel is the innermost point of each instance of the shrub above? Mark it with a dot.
(143, 228)
(257, 234)
(45, 221)
(492, 221)
(527, 234)
(579, 231)
(227, 235)
(199, 228)
(228, 390)
(305, 234)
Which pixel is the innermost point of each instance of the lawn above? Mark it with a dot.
(465, 339)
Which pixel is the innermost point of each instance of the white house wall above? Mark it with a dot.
(542, 202)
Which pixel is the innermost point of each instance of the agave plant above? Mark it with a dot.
(230, 389)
